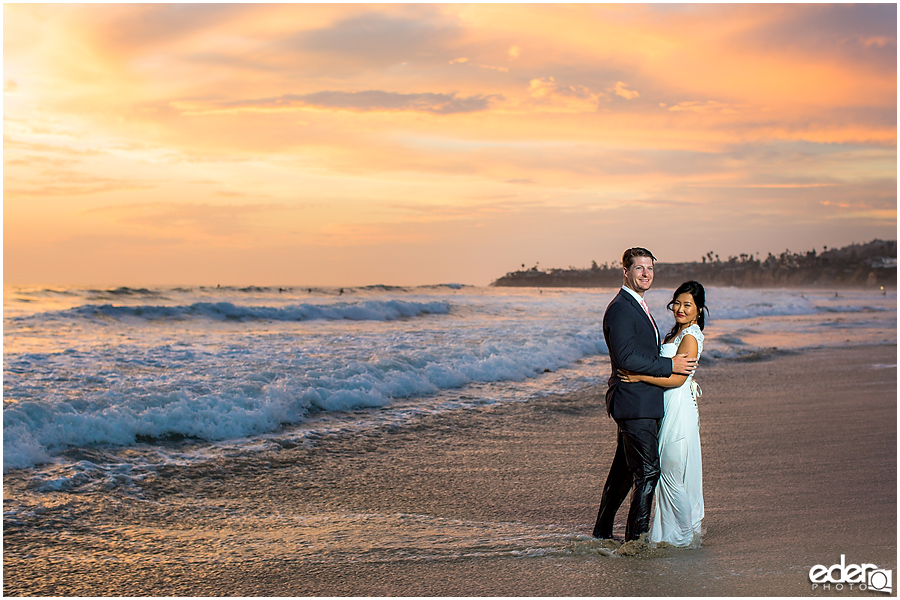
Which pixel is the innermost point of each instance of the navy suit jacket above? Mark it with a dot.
(633, 346)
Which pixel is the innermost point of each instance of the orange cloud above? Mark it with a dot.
(370, 100)
(622, 90)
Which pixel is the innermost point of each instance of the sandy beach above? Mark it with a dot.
(799, 468)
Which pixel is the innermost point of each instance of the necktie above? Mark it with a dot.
(647, 310)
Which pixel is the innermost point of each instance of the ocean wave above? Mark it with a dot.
(741, 303)
(366, 310)
(35, 430)
(86, 375)
(786, 309)
(223, 398)
(125, 291)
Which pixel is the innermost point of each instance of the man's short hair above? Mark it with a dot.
(631, 253)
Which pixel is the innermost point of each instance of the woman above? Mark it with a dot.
(679, 493)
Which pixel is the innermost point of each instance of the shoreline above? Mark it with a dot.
(793, 474)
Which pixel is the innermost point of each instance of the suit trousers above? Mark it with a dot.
(636, 464)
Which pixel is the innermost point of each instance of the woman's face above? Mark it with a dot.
(685, 309)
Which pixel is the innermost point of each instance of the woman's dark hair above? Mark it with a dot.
(699, 295)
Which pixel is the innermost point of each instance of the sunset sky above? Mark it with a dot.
(338, 144)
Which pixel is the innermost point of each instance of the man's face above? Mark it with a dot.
(639, 277)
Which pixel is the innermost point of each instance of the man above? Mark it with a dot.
(633, 341)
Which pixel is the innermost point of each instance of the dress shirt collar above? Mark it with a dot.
(633, 293)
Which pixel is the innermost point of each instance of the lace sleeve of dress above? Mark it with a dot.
(694, 330)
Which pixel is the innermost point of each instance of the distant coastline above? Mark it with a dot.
(870, 265)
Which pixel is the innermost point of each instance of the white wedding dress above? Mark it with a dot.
(679, 493)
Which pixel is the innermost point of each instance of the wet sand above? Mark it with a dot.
(800, 466)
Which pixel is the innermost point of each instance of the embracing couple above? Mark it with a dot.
(652, 398)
